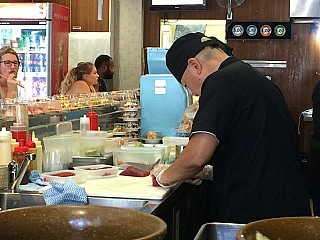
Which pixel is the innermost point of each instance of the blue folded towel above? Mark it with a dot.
(65, 193)
(36, 178)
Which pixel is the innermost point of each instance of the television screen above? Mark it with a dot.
(167, 5)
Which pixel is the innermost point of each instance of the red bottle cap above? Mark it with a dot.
(21, 147)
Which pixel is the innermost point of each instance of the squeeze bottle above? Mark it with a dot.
(84, 123)
(5, 147)
(93, 116)
(32, 149)
(19, 131)
(39, 153)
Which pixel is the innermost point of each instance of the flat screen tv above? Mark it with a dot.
(182, 5)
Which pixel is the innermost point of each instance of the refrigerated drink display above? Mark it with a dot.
(38, 32)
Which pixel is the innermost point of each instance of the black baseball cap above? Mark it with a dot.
(188, 46)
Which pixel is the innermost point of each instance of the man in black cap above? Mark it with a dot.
(242, 130)
(105, 69)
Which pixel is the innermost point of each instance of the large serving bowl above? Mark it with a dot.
(289, 228)
(79, 222)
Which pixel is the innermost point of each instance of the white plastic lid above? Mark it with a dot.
(5, 133)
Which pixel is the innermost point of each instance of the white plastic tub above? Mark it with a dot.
(98, 170)
(144, 155)
(78, 177)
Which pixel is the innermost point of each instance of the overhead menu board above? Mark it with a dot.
(258, 30)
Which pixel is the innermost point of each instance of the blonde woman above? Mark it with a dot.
(9, 66)
(80, 79)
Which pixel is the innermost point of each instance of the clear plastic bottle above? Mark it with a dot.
(84, 123)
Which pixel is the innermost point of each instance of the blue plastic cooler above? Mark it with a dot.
(163, 102)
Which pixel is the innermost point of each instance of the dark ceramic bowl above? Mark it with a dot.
(290, 228)
(79, 222)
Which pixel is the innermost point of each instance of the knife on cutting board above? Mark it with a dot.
(143, 166)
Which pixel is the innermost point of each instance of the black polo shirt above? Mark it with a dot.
(256, 165)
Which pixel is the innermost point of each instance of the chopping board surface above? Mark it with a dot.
(125, 187)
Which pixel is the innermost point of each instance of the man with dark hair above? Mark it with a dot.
(242, 130)
(105, 68)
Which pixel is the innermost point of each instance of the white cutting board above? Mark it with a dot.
(125, 187)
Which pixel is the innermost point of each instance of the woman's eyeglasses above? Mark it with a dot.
(9, 63)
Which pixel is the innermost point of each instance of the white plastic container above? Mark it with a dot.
(173, 142)
(62, 142)
(111, 144)
(161, 146)
(98, 170)
(138, 155)
(78, 177)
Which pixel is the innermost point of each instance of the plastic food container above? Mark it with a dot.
(62, 142)
(91, 144)
(173, 142)
(111, 144)
(63, 175)
(98, 170)
(146, 155)
(161, 146)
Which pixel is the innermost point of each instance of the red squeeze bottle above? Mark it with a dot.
(93, 116)
(30, 143)
(19, 131)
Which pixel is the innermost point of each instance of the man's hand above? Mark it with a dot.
(156, 173)
(205, 174)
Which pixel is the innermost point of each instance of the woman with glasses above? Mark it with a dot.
(9, 65)
(80, 79)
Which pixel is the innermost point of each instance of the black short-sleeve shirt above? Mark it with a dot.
(256, 166)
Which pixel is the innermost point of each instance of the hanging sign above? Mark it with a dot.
(258, 30)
